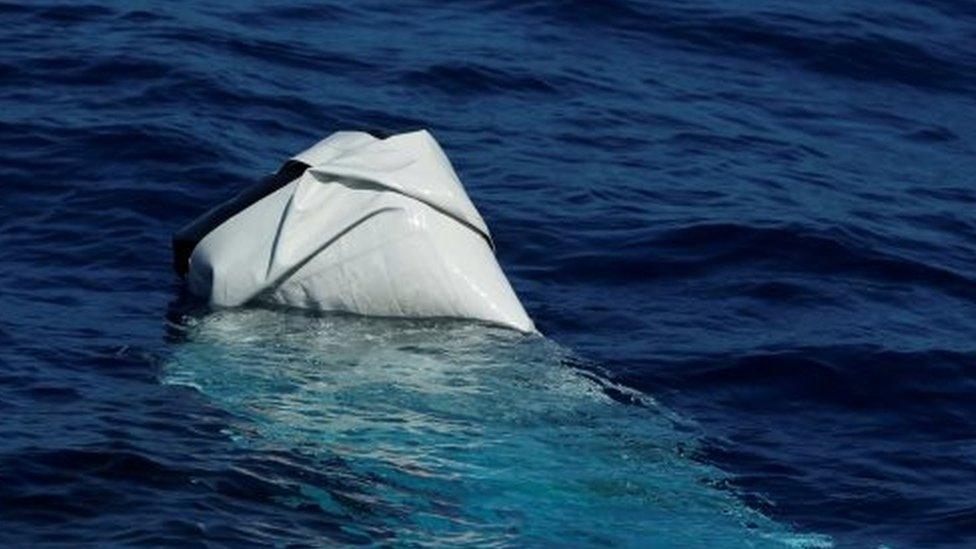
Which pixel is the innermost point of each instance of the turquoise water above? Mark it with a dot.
(445, 433)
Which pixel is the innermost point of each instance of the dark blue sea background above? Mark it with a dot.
(748, 225)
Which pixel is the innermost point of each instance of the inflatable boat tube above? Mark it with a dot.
(358, 224)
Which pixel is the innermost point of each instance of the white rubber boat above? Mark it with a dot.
(358, 224)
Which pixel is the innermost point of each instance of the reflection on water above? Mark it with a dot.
(446, 432)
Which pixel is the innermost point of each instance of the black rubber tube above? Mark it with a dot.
(187, 238)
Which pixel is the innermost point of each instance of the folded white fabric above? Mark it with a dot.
(373, 226)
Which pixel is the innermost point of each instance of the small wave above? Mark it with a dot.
(73, 14)
(847, 50)
(707, 248)
(121, 70)
(290, 14)
(861, 57)
(845, 377)
(470, 79)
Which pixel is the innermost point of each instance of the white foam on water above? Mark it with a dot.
(462, 433)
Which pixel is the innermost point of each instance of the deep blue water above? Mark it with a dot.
(746, 229)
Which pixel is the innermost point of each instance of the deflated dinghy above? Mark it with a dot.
(358, 224)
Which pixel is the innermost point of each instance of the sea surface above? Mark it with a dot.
(746, 229)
